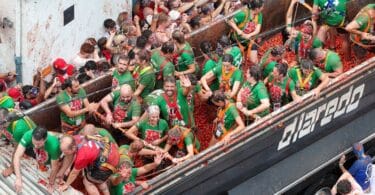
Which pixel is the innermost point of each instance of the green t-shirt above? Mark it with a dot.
(235, 52)
(168, 111)
(190, 98)
(286, 86)
(157, 61)
(267, 70)
(119, 79)
(189, 139)
(332, 12)
(302, 86)
(296, 45)
(365, 22)
(332, 62)
(243, 20)
(75, 103)
(251, 96)
(18, 128)
(125, 187)
(147, 79)
(230, 117)
(186, 58)
(51, 150)
(151, 133)
(236, 76)
(124, 112)
(207, 67)
(6, 102)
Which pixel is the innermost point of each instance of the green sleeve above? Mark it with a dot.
(54, 151)
(318, 73)
(362, 21)
(292, 86)
(168, 70)
(217, 71)
(316, 2)
(115, 95)
(164, 126)
(20, 129)
(105, 133)
(147, 79)
(334, 61)
(198, 88)
(317, 43)
(139, 125)
(60, 99)
(292, 73)
(26, 139)
(209, 65)
(239, 17)
(262, 92)
(237, 76)
(260, 18)
(187, 59)
(133, 175)
(234, 112)
(136, 109)
(189, 139)
(82, 93)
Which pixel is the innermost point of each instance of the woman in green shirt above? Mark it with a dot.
(228, 121)
(253, 99)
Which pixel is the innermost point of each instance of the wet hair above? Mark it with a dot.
(144, 55)
(344, 187)
(40, 133)
(147, 33)
(228, 58)
(254, 4)
(314, 53)
(109, 23)
(195, 22)
(103, 66)
(307, 64)
(224, 41)
(282, 68)
(90, 65)
(131, 54)
(91, 40)
(25, 89)
(153, 109)
(101, 43)
(206, 47)
(174, 132)
(169, 79)
(219, 96)
(123, 58)
(87, 48)
(255, 72)
(136, 146)
(167, 47)
(205, 9)
(25, 105)
(68, 83)
(178, 36)
(278, 50)
(83, 77)
(141, 42)
(122, 17)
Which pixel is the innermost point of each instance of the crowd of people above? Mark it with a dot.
(157, 79)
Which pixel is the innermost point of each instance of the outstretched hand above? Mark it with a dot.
(184, 80)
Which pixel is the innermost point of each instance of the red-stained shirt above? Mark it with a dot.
(89, 151)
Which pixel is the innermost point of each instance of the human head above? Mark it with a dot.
(174, 4)
(125, 167)
(39, 136)
(280, 70)
(178, 37)
(254, 73)
(164, 20)
(307, 29)
(195, 22)
(102, 42)
(91, 41)
(135, 147)
(153, 112)
(227, 62)
(169, 86)
(126, 93)
(122, 17)
(68, 145)
(206, 47)
(109, 24)
(255, 5)
(86, 50)
(219, 98)
(344, 187)
(88, 129)
(122, 63)
(144, 57)
(278, 53)
(141, 42)
(306, 66)
(316, 55)
(174, 135)
(71, 85)
(224, 41)
(167, 48)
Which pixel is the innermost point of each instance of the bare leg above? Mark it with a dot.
(90, 187)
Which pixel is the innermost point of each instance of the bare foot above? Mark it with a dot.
(7, 172)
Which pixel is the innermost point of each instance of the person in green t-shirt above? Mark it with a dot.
(13, 126)
(173, 102)
(361, 29)
(187, 144)
(281, 88)
(225, 47)
(46, 149)
(73, 104)
(160, 60)
(332, 14)
(253, 99)
(126, 110)
(246, 25)
(228, 121)
(7, 102)
(307, 77)
(121, 75)
(146, 76)
(209, 63)
(124, 181)
(185, 60)
(229, 77)
(90, 129)
(152, 130)
(327, 60)
(270, 59)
